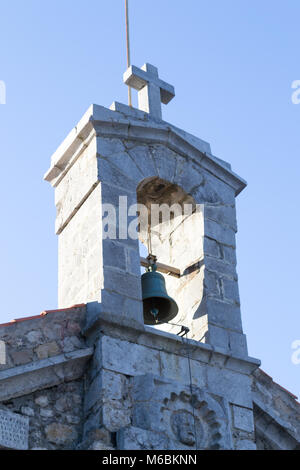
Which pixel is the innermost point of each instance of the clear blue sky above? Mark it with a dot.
(232, 64)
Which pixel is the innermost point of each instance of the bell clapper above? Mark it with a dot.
(154, 311)
(152, 268)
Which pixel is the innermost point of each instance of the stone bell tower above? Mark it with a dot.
(149, 387)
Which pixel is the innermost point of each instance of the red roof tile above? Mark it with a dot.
(45, 312)
(41, 315)
(280, 386)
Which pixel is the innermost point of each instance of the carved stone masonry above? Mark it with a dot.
(14, 431)
(167, 415)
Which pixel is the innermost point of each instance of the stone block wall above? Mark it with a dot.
(276, 414)
(207, 293)
(147, 400)
(109, 155)
(55, 416)
(42, 381)
(145, 387)
(132, 388)
(80, 269)
(123, 388)
(40, 337)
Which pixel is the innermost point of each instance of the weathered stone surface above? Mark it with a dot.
(245, 444)
(139, 439)
(229, 254)
(71, 343)
(93, 393)
(222, 192)
(14, 430)
(42, 374)
(131, 317)
(22, 357)
(243, 418)
(64, 403)
(3, 355)
(115, 418)
(47, 350)
(220, 233)
(114, 254)
(52, 331)
(233, 386)
(126, 164)
(128, 358)
(26, 410)
(42, 417)
(98, 445)
(35, 336)
(238, 343)
(222, 214)
(186, 421)
(78, 248)
(42, 401)
(218, 336)
(175, 367)
(58, 433)
(231, 290)
(276, 414)
(113, 398)
(123, 283)
(211, 248)
(113, 386)
(109, 146)
(221, 267)
(205, 193)
(73, 419)
(211, 283)
(111, 174)
(223, 314)
(45, 413)
(123, 309)
(67, 200)
(138, 153)
(133, 262)
(165, 162)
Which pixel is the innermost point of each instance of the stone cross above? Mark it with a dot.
(152, 91)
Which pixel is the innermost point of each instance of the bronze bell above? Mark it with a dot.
(158, 306)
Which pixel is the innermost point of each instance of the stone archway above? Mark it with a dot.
(174, 233)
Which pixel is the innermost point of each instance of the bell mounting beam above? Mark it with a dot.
(163, 268)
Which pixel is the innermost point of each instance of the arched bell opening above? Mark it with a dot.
(172, 228)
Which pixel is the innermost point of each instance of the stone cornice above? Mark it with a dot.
(124, 122)
(22, 380)
(156, 339)
(279, 432)
(273, 415)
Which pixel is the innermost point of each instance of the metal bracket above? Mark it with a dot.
(184, 331)
(162, 268)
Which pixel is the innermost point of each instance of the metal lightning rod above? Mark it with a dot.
(128, 47)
